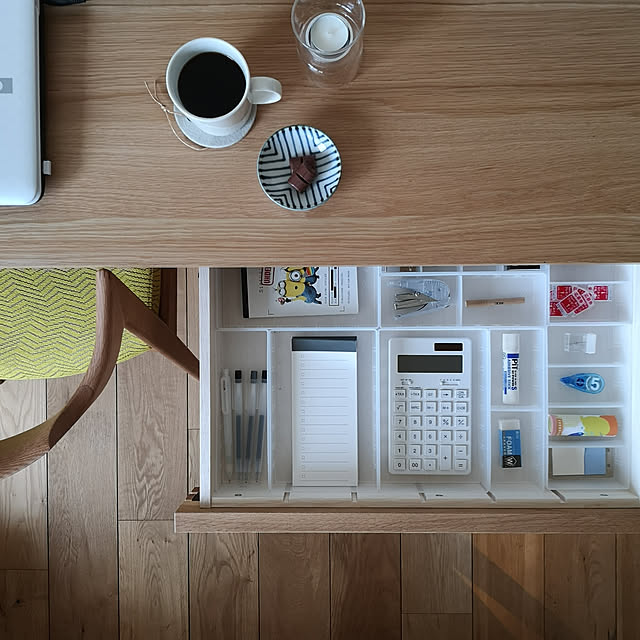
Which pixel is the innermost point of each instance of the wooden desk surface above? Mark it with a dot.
(473, 134)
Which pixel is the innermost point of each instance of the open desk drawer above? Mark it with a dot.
(489, 498)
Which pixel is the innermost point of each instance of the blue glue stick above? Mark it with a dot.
(510, 368)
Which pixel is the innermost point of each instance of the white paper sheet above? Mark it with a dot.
(325, 418)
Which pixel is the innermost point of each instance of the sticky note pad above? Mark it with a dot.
(325, 411)
(595, 462)
(579, 461)
(567, 461)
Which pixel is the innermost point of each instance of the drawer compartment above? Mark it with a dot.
(229, 341)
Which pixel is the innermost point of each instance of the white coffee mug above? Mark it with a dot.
(259, 90)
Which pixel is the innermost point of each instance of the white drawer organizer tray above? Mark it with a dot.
(229, 341)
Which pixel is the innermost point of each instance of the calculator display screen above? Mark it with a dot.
(415, 363)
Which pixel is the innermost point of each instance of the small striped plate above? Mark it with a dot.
(274, 172)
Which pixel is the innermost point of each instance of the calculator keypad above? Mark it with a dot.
(431, 431)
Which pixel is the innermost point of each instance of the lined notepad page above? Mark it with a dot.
(325, 412)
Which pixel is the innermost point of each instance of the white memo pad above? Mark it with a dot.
(325, 412)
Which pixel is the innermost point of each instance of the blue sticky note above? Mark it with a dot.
(595, 461)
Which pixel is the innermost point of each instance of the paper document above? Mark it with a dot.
(325, 411)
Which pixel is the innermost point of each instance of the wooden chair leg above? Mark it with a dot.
(168, 310)
(145, 324)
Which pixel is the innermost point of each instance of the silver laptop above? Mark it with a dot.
(20, 152)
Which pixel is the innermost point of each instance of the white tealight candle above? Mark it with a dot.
(329, 32)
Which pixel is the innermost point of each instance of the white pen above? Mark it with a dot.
(250, 410)
(225, 404)
(237, 418)
(262, 411)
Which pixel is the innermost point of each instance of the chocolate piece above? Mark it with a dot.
(310, 163)
(297, 183)
(303, 171)
(306, 173)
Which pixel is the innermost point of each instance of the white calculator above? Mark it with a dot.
(430, 406)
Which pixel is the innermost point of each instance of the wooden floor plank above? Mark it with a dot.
(83, 527)
(194, 458)
(442, 559)
(153, 582)
(365, 586)
(439, 626)
(628, 588)
(223, 586)
(508, 586)
(294, 587)
(23, 496)
(152, 432)
(23, 605)
(152, 438)
(580, 587)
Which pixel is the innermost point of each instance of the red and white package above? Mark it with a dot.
(563, 290)
(572, 299)
(600, 292)
(554, 309)
(570, 303)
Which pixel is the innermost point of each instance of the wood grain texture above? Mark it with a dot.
(294, 587)
(23, 605)
(508, 587)
(580, 587)
(194, 458)
(440, 626)
(152, 438)
(628, 591)
(23, 496)
(153, 582)
(517, 112)
(365, 586)
(83, 527)
(223, 586)
(152, 431)
(442, 559)
(191, 518)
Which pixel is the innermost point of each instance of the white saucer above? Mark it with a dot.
(204, 139)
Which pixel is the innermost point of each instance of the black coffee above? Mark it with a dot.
(210, 85)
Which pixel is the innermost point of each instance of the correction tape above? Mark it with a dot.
(587, 382)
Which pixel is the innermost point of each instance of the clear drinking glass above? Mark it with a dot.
(329, 38)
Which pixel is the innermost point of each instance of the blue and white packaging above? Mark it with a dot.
(510, 446)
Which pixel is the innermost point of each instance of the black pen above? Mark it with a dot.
(262, 410)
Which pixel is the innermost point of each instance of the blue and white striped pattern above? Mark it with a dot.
(274, 172)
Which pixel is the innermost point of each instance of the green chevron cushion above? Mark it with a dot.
(48, 319)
